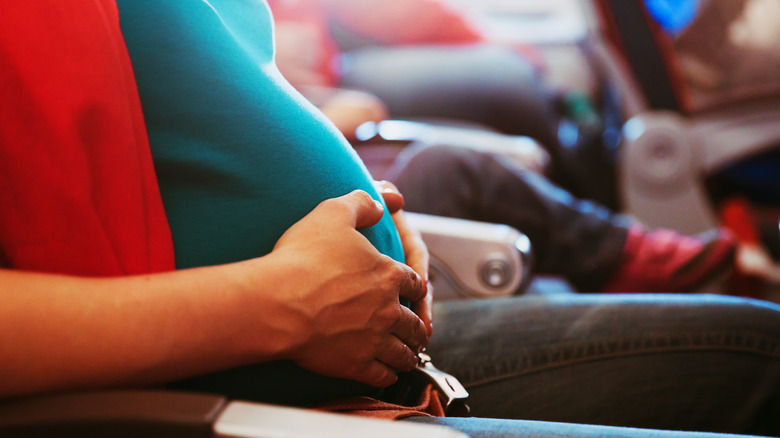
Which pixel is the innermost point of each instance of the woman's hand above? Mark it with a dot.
(337, 301)
(325, 298)
(415, 251)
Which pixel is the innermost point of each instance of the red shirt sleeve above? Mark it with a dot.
(78, 193)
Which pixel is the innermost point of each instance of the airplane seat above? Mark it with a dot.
(683, 126)
(169, 414)
(469, 259)
(379, 143)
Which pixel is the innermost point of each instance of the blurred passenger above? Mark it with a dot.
(425, 59)
(727, 49)
(592, 247)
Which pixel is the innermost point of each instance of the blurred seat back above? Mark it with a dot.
(699, 113)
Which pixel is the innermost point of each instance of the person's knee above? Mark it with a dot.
(710, 313)
(434, 162)
(439, 179)
(763, 316)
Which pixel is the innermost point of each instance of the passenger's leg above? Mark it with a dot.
(486, 84)
(492, 86)
(489, 85)
(677, 362)
(577, 239)
(593, 248)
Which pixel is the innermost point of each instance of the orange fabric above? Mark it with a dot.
(78, 192)
(429, 405)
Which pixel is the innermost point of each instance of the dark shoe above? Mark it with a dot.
(667, 261)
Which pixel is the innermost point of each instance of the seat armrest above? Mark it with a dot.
(112, 413)
(136, 414)
(254, 420)
(474, 259)
(525, 151)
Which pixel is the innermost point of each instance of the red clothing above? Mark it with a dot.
(390, 22)
(78, 192)
(311, 14)
(405, 21)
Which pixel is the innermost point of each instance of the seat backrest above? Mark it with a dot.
(627, 25)
(725, 53)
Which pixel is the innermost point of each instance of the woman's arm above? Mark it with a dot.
(322, 292)
(59, 332)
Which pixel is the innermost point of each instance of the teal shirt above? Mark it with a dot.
(239, 154)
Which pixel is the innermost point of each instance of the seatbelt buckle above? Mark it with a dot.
(453, 394)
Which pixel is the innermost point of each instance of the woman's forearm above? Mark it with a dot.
(324, 298)
(59, 332)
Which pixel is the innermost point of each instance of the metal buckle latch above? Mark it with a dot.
(453, 394)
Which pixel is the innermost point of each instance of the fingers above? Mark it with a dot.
(419, 292)
(411, 330)
(415, 250)
(400, 351)
(409, 283)
(393, 200)
(395, 356)
(424, 309)
(357, 208)
(417, 258)
(390, 194)
(379, 375)
(398, 356)
(397, 351)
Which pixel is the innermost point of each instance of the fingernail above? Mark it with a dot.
(379, 205)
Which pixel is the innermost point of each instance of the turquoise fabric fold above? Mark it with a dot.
(240, 157)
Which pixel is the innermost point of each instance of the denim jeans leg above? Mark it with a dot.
(679, 362)
(497, 428)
